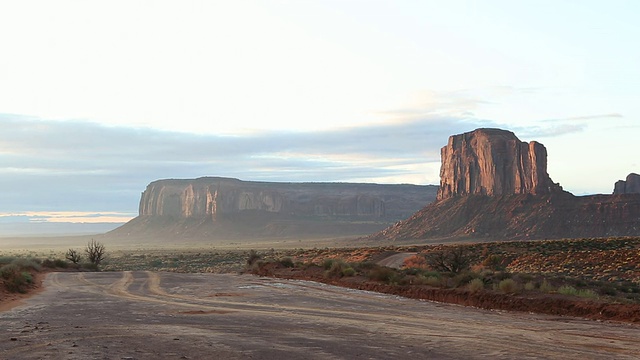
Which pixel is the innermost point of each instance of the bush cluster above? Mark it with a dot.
(16, 275)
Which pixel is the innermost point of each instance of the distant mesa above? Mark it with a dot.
(227, 208)
(495, 187)
(629, 186)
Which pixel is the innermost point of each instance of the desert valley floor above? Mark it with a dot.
(151, 315)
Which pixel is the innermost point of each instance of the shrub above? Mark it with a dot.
(348, 272)
(26, 264)
(4, 260)
(546, 287)
(433, 281)
(15, 277)
(335, 270)
(383, 273)
(415, 262)
(529, 286)
(287, 262)
(59, 263)
(365, 265)
(27, 277)
(494, 262)
(475, 285)
(452, 260)
(328, 263)
(587, 293)
(462, 279)
(8, 271)
(90, 266)
(567, 290)
(252, 257)
(95, 252)
(502, 275)
(572, 291)
(54, 264)
(508, 286)
(73, 256)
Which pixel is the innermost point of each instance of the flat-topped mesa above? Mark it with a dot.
(209, 197)
(629, 186)
(493, 162)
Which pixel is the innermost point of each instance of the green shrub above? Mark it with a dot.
(587, 293)
(434, 281)
(475, 285)
(335, 270)
(54, 264)
(27, 264)
(8, 271)
(4, 260)
(27, 277)
(572, 291)
(348, 272)
(327, 263)
(15, 279)
(530, 286)
(59, 263)
(546, 287)
(508, 286)
(567, 290)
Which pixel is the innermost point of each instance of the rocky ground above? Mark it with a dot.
(608, 267)
(161, 315)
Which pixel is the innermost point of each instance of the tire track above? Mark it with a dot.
(401, 320)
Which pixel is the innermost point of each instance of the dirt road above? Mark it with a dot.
(147, 315)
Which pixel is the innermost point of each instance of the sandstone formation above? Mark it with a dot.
(495, 187)
(213, 207)
(629, 186)
(493, 162)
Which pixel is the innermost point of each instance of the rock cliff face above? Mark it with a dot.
(495, 187)
(212, 196)
(493, 162)
(223, 207)
(629, 186)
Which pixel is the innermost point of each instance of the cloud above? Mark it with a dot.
(538, 132)
(66, 217)
(586, 117)
(82, 166)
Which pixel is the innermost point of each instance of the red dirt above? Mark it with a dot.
(551, 304)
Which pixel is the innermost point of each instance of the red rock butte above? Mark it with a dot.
(495, 187)
(493, 162)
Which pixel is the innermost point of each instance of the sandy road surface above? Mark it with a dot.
(146, 315)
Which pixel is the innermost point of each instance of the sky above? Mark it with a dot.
(99, 98)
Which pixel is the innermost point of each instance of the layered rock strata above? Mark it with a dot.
(213, 196)
(493, 162)
(225, 208)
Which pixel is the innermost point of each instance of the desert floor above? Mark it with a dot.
(152, 315)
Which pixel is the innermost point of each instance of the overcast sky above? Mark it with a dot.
(99, 98)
